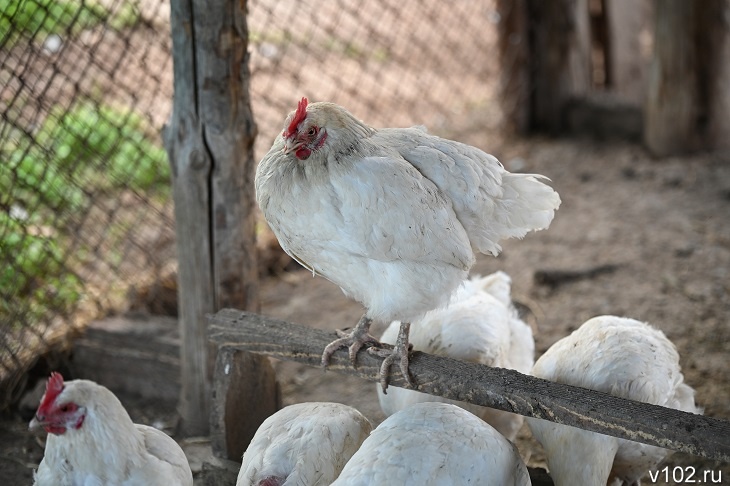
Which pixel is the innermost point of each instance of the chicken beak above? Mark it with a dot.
(36, 425)
(291, 145)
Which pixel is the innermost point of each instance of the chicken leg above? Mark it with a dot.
(400, 352)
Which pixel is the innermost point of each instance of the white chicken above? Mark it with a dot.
(435, 444)
(625, 358)
(93, 442)
(303, 444)
(480, 325)
(392, 216)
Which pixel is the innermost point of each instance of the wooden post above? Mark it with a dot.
(628, 21)
(209, 140)
(670, 115)
(514, 54)
(559, 59)
(713, 56)
(544, 50)
(688, 101)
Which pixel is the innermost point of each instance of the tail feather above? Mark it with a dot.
(527, 204)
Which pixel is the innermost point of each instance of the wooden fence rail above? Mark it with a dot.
(483, 385)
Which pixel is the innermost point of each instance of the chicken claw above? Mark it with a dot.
(401, 352)
(354, 341)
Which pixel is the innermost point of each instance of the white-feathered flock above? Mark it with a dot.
(393, 217)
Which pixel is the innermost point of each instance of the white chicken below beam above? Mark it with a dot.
(93, 441)
(435, 444)
(393, 216)
(622, 357)
(303, 444)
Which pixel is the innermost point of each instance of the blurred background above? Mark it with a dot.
(609, 92)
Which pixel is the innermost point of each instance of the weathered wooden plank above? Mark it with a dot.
(245, 393)
(482, 385)
(191, 166)
(109, 348)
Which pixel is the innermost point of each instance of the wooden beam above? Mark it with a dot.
(483, 385)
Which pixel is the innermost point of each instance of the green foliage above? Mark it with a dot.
(107, 146)
(50, 175)
(32, 275)
(32, 182)
(43, 17)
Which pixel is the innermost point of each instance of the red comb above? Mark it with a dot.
(299, 116)
(54, 387)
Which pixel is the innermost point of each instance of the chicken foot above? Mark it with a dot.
(354, 341)
(400, 352)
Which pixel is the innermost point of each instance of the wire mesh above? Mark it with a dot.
(84, 180)
(86, 86)
(390, 62)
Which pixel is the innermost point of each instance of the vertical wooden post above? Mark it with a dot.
(670, 115)
(545, 59)
(688, 101)
(559, 59)
(209, 140)
(627, 22)
(514, 54)
(713, 53)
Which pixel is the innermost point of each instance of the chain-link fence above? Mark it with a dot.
(389, 62)
(86, 86)
(85, 210)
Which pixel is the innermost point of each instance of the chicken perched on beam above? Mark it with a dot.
(392, 216)
(92, 440)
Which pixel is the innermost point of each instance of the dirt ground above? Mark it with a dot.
(661, 228)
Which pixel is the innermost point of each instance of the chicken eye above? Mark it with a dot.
(312, 131)
(69, 407)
